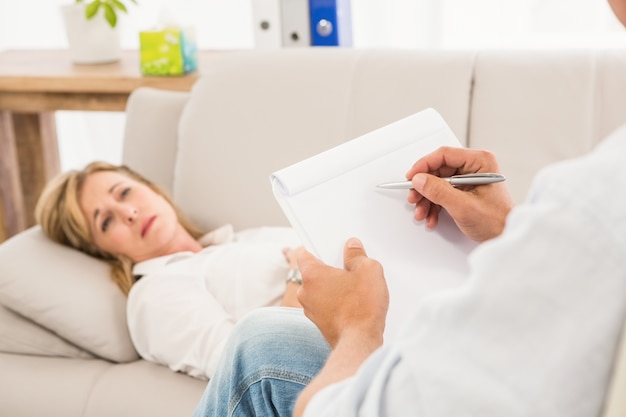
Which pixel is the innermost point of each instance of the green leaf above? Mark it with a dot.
(119, 5)
(92, 8)
(110, 15)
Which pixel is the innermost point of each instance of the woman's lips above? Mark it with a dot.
(146, 225)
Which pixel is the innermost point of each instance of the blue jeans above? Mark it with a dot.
(272, 354)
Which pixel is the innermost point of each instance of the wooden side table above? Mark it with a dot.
(36, 83)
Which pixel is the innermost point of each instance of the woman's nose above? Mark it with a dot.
(129, 214)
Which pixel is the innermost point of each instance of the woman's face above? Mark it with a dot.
(619, 8)
(127, 217)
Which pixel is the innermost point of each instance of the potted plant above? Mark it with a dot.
(92, 30)
(110, 7)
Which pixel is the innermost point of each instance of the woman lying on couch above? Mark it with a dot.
(186, 289)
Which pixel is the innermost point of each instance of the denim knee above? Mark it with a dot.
(272, 354)
(279, 338)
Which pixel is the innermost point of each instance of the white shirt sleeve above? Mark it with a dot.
(383, 386)
(175, 321)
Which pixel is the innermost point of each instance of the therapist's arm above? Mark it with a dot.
(349, 307)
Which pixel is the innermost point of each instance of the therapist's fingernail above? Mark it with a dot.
(418, 181)
(354, 243)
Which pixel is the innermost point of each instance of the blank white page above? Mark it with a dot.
(332, 196)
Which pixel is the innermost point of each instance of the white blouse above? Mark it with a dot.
(183, 308)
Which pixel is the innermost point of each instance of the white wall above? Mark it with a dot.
(530, 24)
(226, 24)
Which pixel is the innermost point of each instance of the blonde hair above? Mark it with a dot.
(59, 214)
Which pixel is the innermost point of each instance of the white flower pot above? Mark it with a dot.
(91, 41)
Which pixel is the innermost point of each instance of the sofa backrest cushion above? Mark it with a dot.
(257, 112)
(533, 108)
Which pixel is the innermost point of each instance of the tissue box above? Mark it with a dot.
(169, 51)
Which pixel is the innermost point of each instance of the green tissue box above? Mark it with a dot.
(170, 51)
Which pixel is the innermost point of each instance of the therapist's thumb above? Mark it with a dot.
(435, 189)
(353, 254)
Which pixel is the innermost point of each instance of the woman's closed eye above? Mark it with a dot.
(105, 223)
(108, 219)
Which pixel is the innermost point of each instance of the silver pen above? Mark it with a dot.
(480, 178)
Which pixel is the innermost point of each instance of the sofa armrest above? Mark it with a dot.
(152, 117)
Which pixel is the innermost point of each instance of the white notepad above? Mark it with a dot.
(332, 196)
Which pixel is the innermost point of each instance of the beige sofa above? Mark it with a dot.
(64, 346)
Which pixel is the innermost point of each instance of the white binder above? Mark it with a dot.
(266, 23)
(295, 23)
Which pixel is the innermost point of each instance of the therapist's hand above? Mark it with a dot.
(348, 303)
(349, 307)
(480, 212)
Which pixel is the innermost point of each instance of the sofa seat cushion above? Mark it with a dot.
(94, 388)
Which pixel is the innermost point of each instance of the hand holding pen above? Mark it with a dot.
(480, 211)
